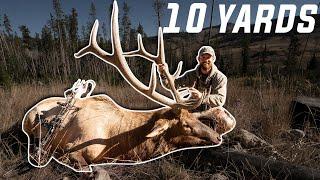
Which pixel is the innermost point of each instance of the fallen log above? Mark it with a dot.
(252, 166)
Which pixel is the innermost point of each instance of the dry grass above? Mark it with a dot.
(261, 107)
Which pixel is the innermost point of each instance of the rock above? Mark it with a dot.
(250, 140)
(98, 173)
(218, 176)
(293, 134)
(101, 174)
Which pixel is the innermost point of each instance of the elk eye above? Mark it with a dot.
(187, 128)
(185, 125)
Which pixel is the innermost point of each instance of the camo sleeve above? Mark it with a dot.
(218, 93)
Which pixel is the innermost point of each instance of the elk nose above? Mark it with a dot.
(216, 139)
(212, 139)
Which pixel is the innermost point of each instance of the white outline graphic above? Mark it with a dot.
(126, 164)
(108, 97)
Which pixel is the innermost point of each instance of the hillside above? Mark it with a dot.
(228, 46)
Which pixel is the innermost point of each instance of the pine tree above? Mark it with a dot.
(59, 24)
(26, 39)
(158, 6)
(293, 55)
(92, 17)
(222, 65)
(105, 31)
(73, 28)
(312, 63)
(36, 42)
(313, 73)
(126, 27)
(52, 26)
(73, 39)
(7, 25)
(245, 55)
(84, 33)
(140, 30)
(1, 26)
(263, 60)
(59, 21)
(5, 79)
(110, 9)
(46, 39)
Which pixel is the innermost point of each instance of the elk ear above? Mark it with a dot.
(158, 129)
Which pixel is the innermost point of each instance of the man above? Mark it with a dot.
(207, 82)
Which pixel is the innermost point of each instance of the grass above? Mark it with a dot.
(259, 105)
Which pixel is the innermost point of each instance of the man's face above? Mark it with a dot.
(205, 61)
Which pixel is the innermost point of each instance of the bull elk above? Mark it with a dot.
(96, 130)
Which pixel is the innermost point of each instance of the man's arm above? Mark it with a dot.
(218, 98)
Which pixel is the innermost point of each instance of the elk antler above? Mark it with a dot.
(117, 59)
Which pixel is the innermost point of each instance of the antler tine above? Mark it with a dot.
(153, 79)
(178, 71)
(160, 59)
(117, 59)
(141, 51)
(93, 47)
(189, 103)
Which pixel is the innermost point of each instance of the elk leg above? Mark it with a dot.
(224, 122)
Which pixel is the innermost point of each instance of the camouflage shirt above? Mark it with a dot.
(212, 86)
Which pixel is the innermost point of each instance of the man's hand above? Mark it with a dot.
(195, 94)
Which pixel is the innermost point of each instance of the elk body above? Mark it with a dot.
(100, 131)
(97, 130)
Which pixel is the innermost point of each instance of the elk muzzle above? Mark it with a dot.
(209, 135)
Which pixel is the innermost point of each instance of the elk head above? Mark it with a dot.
(184, 130)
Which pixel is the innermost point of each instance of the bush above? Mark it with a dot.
(5, 79)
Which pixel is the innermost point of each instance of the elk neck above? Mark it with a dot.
(133, 144)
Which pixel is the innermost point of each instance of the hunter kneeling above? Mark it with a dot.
(207, 83)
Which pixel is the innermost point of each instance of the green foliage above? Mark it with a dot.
(313, 69)
(245, 55)
(46, 40)
(263, 68)
(110, 9)
(26, 39)
(92, 18)
(126, 27)
(222, 65)
(5, 79)
(158, 6)
(58, 21)
(7, 25)
(140, 30)
(312, 65)
(48, 56)
(73, 28)
(1, 24)
(249, 81)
